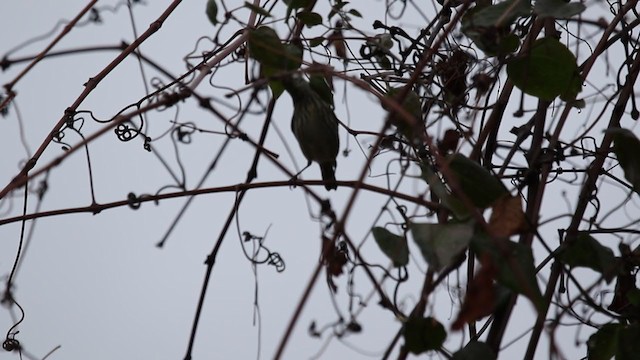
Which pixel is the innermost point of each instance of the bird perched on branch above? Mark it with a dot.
(315, 126)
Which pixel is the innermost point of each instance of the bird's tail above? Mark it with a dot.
(328, 171)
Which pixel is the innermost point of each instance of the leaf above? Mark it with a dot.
(480, 186)
(355, 13)
(212, 11)
(316, 41)
(475, 350)
(515, 264)
(558, 9)
(501, 14)
(480, 298)
(602, 345)
(309, 19)
(586, 251)
(266, 48)
(392, 245)
(490, 26)
(441, 244)
(547, 71)
(297, 4)
(628, 344)
(258, 10)
(437, 187)
(423, 334)
(507, 217)
(627, 147)
(624, 296)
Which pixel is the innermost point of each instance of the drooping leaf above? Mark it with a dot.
(212, 11)
(490, 26)
(392, 245)
(441, 244)
(480, 298)
(515, 264)
(558, 9)
(507, 217)
(586, 251)
(548, 70)
(480, 186)
(501, 14)
(475, 350)
(310, 19)
(625, 296)
(626, 146)
(440, 190)
(423, 334)
(603, 344)
(266, 48)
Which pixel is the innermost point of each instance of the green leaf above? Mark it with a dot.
(355, 13)
(423, 334)
(490, 26)
(392, 245)
(316, 41)
(266, 48)
(586, 251)
(309, 18)
(515, 264)
(475, 350)
(258, 10)
(558, 9)
(441, 244)
(501, 14)
(547, 71)
(480, 186)
(212, 11)
(626, 146)
(602, 345)
(440, 190)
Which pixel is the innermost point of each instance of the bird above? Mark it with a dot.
(315, 127)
